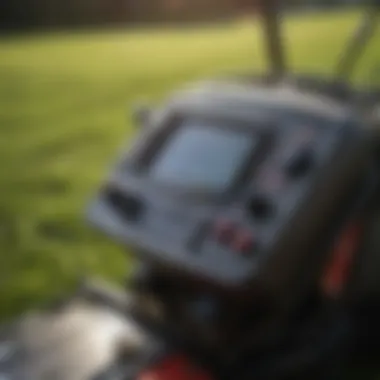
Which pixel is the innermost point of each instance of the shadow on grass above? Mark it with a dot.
(63, 145)
(49, 186)
(65, 230)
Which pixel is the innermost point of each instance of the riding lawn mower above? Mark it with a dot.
(252, 204)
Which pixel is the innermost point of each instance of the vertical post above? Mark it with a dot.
(358, 43)
(271, 23)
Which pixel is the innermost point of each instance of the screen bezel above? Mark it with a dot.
(254, 129)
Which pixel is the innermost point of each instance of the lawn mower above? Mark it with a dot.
(252, 206)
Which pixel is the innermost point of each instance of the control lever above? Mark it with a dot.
(359, 41)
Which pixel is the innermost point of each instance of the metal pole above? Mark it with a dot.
(358, 43)
(271, 20)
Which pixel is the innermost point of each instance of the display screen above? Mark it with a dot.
(202, 157)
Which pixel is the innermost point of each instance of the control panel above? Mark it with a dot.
(234, 188)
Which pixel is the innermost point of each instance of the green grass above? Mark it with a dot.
(64, 112)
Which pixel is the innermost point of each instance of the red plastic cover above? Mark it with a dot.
(176, 367)
(338, 270)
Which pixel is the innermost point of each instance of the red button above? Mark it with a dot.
(224, 231)
(244, 243)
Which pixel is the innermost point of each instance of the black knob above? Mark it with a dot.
(127, 206)
(260, 207)
(300, 164)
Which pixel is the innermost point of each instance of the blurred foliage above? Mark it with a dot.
(31, 14)
(57, 13)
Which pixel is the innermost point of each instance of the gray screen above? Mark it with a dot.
(202, 157)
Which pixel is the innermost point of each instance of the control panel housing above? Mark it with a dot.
(234, 186)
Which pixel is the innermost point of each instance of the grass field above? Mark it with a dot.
(64, 111)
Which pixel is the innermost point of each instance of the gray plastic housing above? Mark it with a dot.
(173, 227)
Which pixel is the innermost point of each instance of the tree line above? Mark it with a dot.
(29, 14)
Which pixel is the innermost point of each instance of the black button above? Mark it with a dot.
(260, 207)
(127, 206)
(300, 164)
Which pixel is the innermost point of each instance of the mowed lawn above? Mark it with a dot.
(64, 113)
